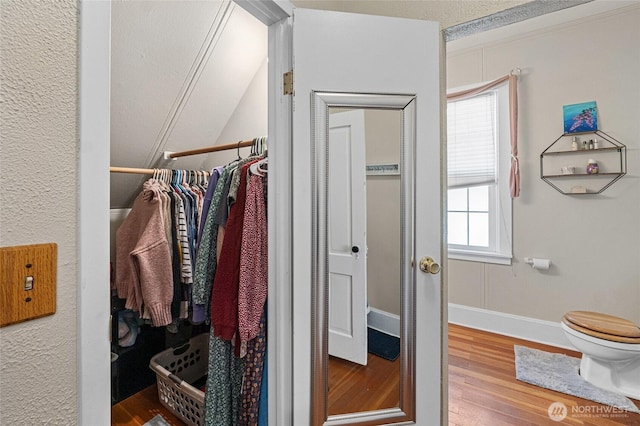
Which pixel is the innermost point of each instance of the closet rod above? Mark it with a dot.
(214, 148)
(114, 169)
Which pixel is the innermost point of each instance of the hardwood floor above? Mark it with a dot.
(140, 408)
(354, 387)
(483, 390)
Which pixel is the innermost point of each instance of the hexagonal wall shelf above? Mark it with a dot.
(565, 168)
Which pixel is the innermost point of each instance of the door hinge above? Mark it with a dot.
(287, 83)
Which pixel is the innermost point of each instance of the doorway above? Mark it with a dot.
(184, 76)
(94, 155)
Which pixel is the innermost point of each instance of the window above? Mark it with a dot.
(478, 160)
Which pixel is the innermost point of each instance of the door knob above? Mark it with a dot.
(429, 266)
(355, 249)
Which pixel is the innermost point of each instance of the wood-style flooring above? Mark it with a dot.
(354, 388)
(483, 390)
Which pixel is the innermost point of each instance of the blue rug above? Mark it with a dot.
(383, 345)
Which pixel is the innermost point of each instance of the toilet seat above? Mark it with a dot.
(603, 326)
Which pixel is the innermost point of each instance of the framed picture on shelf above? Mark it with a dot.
(581, 117)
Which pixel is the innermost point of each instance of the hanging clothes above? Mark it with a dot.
(214, 268)
(252, 295)
(155, 248)
(224, 305)
(201, 290)
(252, 384)
(253, 279)
(206, 258)
(224, 383)
(210, 243)
(238, 338)
(143, 258)
(224, 300)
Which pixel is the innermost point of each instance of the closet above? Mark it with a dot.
(185, 78)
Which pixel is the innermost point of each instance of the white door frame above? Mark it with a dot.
(93, 347)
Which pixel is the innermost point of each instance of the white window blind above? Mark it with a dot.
(471, 141)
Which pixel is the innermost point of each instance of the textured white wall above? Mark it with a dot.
(38, 140)
(591, 240)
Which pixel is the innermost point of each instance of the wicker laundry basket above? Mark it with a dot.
(176, 369)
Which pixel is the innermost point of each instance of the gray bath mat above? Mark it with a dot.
(559, 372)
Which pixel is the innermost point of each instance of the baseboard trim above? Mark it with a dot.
(384, 321)
(532, 329)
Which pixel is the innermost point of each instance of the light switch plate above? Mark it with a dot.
(28, 286)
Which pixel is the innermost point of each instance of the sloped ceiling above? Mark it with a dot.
(179, 73)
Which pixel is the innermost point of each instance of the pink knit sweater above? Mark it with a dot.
(143, 261)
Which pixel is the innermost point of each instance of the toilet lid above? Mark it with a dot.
(603, 326)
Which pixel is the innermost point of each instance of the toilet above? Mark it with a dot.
(610, 349)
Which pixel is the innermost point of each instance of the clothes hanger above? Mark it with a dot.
(205, 178)
(257, 169)
(186, 178)
(263, 145)
(179, 180)
(233, 162)
(174, 180)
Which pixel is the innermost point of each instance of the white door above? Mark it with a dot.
(347, 239)
(357, 54)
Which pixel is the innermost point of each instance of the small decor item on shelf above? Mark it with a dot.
(568, 170)
(592, 167)
(574, 144)
(584, 145)
(591, 144)
(596, 145)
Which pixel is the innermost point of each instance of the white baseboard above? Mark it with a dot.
(535, 330)
(532, 329)
(384, 321)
